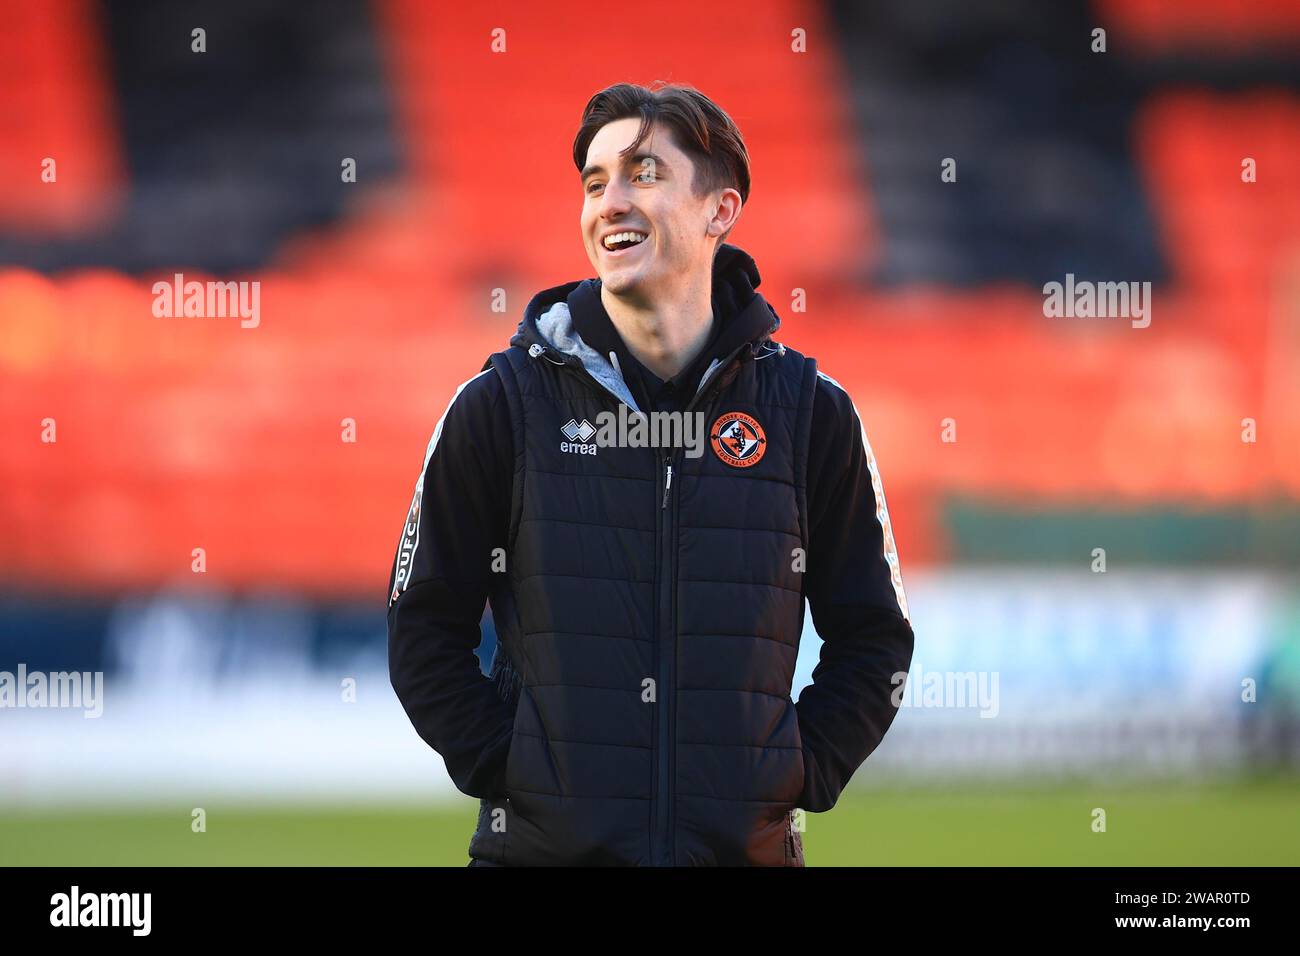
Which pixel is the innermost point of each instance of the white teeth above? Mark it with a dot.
(633, 237)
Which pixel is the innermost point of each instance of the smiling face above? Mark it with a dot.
(644, 228)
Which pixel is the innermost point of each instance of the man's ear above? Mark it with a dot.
(726, 212)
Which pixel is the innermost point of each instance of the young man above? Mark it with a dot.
(649, 599)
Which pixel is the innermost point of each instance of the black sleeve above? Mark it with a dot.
(855, 592)
(439, 585)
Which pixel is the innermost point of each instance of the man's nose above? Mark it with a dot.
(614, 200)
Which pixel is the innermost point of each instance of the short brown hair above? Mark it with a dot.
(699, 126)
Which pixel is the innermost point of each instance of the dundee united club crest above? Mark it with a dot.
(738, 440)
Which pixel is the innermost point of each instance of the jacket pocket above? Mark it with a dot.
(514, 738)
(512, 750)
(798, 744)
(530, 764)
(488, 845)
(793, 840)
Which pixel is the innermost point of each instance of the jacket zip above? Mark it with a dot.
(665, 817)
(667, 672)
(660, 842)
(662, 817)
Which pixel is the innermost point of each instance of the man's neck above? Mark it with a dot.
(665, 337)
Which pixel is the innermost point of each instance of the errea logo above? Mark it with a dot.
(579, 436)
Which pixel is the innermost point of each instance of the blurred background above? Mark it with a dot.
(1164, 689)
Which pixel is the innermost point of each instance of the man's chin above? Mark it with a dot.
(619, 281)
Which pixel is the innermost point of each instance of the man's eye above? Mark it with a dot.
(591, 186)
(646, 176)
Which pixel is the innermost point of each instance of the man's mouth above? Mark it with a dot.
(618, 242)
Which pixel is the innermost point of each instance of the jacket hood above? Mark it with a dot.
(547, 328)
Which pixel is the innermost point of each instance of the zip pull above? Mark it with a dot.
(537, 349)
(668, 483)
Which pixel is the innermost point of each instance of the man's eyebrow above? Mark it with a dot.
(636, 160)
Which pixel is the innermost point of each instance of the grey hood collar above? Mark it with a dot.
(555, 326)
(547, 329)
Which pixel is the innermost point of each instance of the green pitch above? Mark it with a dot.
(1245, 823)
